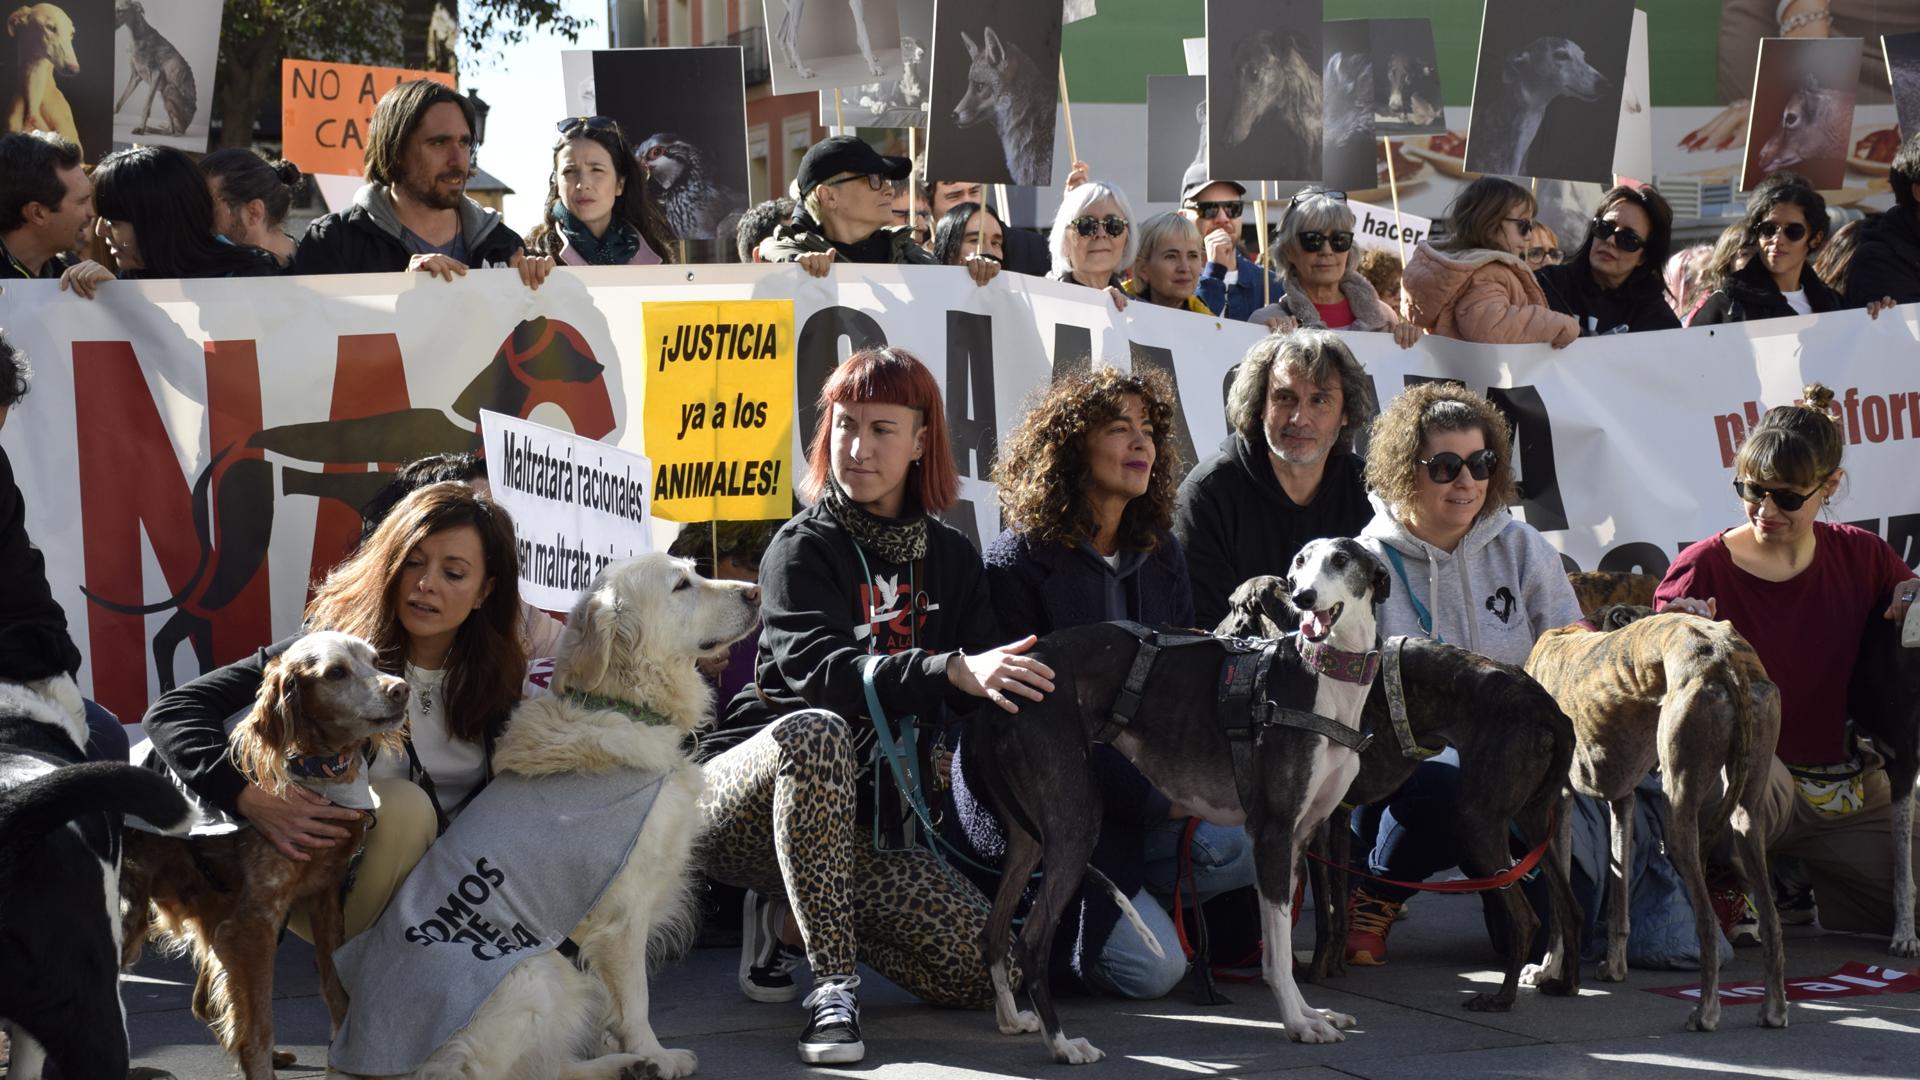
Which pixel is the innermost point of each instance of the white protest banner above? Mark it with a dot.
(1378, 228)
(194, 453)
(577, 504)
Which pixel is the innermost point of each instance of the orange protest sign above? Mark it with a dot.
(327, 109)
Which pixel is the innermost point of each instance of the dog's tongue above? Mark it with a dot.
(1318, 625)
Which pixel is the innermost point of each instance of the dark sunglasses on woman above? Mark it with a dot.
(1794, 232)
(1786, 499)
(1087, 226)
(1313, 241)
(1623, 238)
(1442, 468)
(592, 123)
(1525, 225)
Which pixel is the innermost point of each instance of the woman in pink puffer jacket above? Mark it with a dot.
(1477, 287)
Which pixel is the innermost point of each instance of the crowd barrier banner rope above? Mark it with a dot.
(192, 453)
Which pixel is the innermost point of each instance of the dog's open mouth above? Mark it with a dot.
(1316, 625)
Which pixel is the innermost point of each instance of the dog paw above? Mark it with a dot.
(875, 68)
(1019, 1023)
(1487, 1003)
(1534, 975)
(1315, 1028)
(283, 1059)
(1076, 1052)
(1337, 1019)
(663, 1065)
(1908, 947)
(1700, 1019)
(806, 73)
(1608, 972)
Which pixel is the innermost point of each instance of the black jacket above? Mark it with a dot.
(188, 725)
(1236, 522)
(362, 240)
(1040, 588)
(1887, 261)
(1749, 294)
(819, 613)
(33, 627)
(1640, 303)
(1026, 252)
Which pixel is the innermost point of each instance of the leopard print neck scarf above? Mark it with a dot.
(897, 540)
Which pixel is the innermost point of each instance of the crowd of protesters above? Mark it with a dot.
(1099, 526)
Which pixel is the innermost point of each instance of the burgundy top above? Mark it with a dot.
(1807, 629)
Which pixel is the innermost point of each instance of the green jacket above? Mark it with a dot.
(789, 242)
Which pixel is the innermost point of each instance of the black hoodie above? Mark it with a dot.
(1887, 262)
(1640, 303)
(34, 643)
(1236, 522)
(817, 626)
(1749, 293)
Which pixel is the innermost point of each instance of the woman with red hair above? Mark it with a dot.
(866, 596)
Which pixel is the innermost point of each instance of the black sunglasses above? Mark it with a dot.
(1312, 241)
(1233, 208)
(1087, 226)
(874, 181)
(1525, 225)
(1442, 468)
(1623, 238)
(592, 123)
(1794, 233)
(1786, 499)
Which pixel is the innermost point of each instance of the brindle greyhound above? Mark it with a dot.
(1296, 701)
(1515, 747)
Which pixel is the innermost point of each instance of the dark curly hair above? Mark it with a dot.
(1393, 451)
(15, 374)
(1042, 467)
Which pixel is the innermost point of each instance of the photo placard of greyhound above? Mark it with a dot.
(995, 91)
(1546, 92)
(1903, 74)
(685, 111)
(891, 103)
(1264, 89)
(1802, 116)
(56, 65)
(1407, 98)
(164, 53)
(822, 44)
(1176, 132)
(1351, 82)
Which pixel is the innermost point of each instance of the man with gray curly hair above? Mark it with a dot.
(1287, 472)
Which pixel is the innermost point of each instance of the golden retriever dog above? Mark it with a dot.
(626, 695)
(43, 47)
(225, 897)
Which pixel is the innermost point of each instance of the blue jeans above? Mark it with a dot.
(1410, 837)
(1222, 861)
(106, 738)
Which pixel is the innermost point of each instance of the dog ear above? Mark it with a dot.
(996, 52)
(1276, 604)
(1382, 583)
(17, 20)
(261, 741)
(586, 649)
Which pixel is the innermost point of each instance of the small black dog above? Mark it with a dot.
(60, 882)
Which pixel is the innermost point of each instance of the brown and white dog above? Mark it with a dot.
(43, 48)
(1689, 695)
(630, 646)
(226, 897)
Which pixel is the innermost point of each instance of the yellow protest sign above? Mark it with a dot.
(719, 409)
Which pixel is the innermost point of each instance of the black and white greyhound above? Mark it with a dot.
(1256, 733)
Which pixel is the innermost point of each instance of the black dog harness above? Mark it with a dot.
(1242, 705)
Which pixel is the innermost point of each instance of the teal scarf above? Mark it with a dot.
(616, 247)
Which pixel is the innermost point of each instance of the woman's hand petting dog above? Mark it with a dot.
(299, 819)
(992, 674)
(1706, 609)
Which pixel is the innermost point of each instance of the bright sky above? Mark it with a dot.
(523, 86)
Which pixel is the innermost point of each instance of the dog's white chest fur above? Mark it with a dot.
(1334, 766)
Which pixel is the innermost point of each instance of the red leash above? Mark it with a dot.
(1473, 885)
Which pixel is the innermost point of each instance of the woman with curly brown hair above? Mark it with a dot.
(1087, 489)
(1466, 572)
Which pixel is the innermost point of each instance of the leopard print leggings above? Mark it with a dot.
(779, 812)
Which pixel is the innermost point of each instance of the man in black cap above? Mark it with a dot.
(1230, 285)
(846, 213)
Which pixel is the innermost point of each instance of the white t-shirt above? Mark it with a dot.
(455, 765)
(1797, 300)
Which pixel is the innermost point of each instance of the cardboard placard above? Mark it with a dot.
(719, 408)
(829, 43)
(56, 64)
(995, 91)
(685, 112)
(1547, 90)
(1802, 117)
(326, 111)
(897, 103)
(577, 504)
(1903, 74)
(1264, 82)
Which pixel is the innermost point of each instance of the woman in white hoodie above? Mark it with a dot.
(1466, 572)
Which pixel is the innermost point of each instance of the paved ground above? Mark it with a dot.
(1411, 1024)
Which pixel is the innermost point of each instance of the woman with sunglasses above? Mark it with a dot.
(1093, 238)
(600, 208)
(1466, 572)
(1475, 285)
(1802, 591)
(1323, 289)
(1785, 224)
(1616, 283)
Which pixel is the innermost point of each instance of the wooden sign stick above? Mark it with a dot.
(1393, 185)
(839, 117)
(1066, 112)
(1266, 249)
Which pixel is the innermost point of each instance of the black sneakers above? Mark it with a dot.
(832, 1036)
(766, 963)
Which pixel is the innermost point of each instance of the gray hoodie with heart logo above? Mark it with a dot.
(1500, 588)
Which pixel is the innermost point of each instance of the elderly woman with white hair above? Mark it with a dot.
(1324, 288)
(1167, 268)
(1093, 238)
